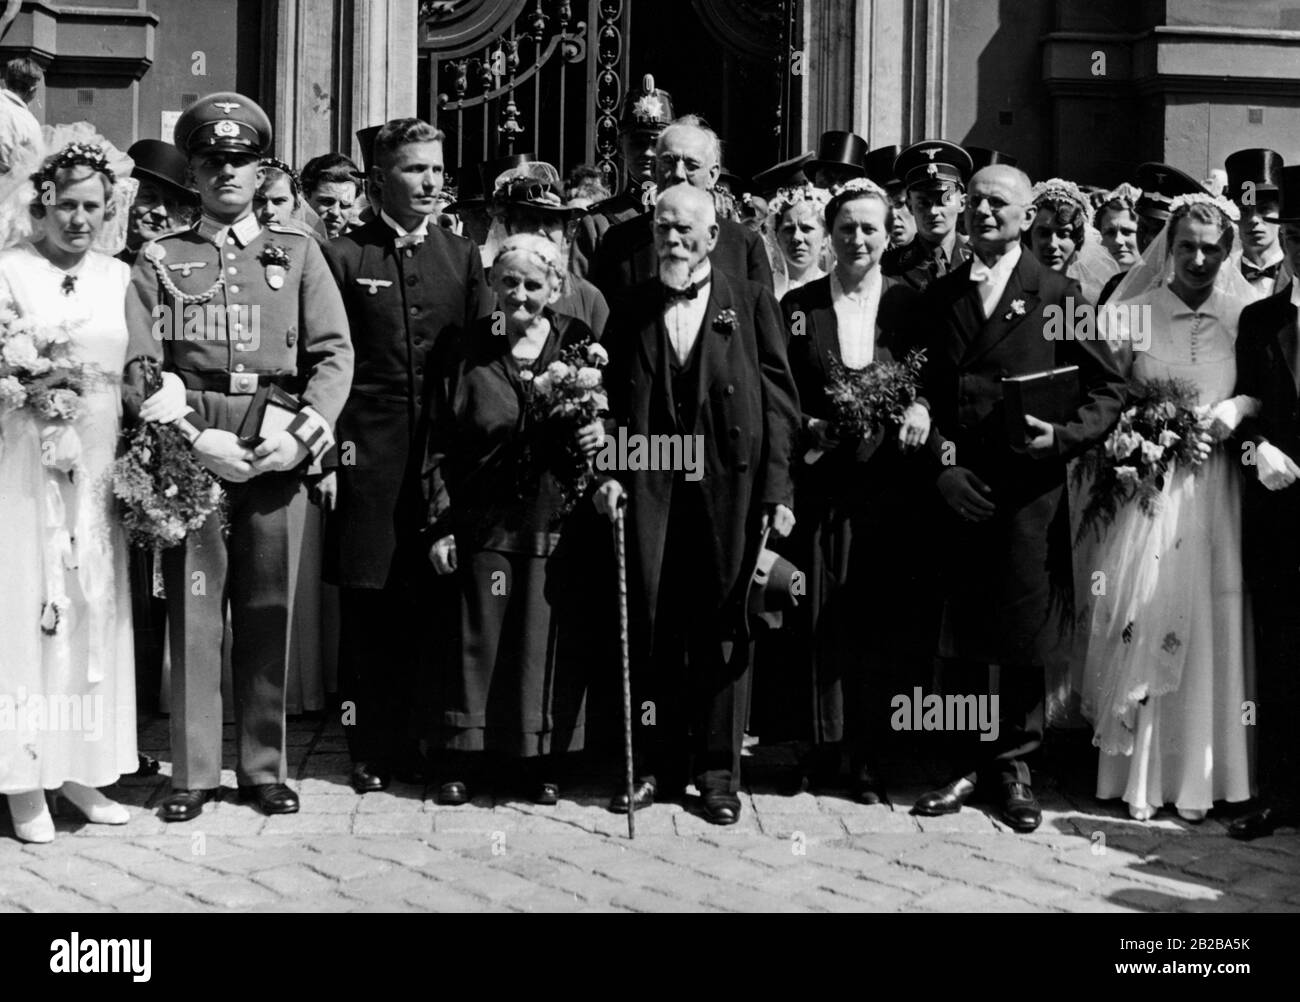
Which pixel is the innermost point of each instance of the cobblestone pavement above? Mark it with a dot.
(790, 852)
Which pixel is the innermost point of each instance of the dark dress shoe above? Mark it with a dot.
(721, 807)
(945, 800)
(186, 805)
(1020, 809)
(148, 766)
(547, 794)
(271, 798)
(868, 789)
(643, 795)
(368, 779)
(1260, 823)
(453, 793)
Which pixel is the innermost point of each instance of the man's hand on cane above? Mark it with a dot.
(780, 519)
(607, 498)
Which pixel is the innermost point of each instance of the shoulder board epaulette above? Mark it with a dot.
(296, 231)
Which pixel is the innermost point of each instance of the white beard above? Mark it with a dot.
(675, 274)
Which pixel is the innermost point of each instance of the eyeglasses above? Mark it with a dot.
(669, 161)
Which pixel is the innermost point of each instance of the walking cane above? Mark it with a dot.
(619, 520)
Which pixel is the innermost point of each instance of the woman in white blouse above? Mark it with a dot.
(850, 506)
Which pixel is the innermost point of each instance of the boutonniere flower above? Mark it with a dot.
(725, 322)
(1017, 309)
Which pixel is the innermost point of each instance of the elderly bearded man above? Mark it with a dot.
(697, 352)
(688, 152)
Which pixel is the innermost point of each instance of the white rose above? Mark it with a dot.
(557, 371)
(20, 352)
(588, 378)
(542, 383)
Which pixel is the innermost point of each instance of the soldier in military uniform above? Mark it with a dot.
(646, 113)
(411, 290)
(935, 173)
(233, 309)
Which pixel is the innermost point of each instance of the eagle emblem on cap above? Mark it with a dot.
(227, 106)
(227, 128)
(932, 151)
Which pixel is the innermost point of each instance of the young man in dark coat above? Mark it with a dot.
(411, 289)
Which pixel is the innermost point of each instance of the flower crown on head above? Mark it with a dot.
(1060, 190)
(858, 184)
(283, 168)
(1201, 198)
(551, 265)
(75, 155)
(787, 198)
(1126, 194)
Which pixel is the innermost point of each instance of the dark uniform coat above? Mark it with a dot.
(592, 227)
(915, 263)
(626, 255)
(407, 309)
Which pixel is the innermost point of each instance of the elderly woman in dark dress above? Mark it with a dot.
(517, 689)
(834, 660)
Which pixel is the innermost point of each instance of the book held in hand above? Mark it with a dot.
(1051, 396)
(272, 410)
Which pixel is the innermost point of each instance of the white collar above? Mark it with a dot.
(396, 227)
(1006, 264)
(1277, 257)
(244, 231)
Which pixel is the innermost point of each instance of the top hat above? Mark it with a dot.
(366, 138)
(1288, 187)
(879, 164)
(1160, 185)
(786, 173)
(532, 185)
(773, 587)
(1258, 167)
(225, 122)
(933, 162)
(164, 165)
(841, 151)
(647, 109)
(982, 156)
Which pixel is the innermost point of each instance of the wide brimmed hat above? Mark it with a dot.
(164, 165)
(1161, 184)
(841, 151)
(1259, 168)
(787, 174)
(534, 185)
(1288, 209)
(474, 184)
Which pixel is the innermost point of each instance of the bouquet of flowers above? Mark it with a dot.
(165, 492)
(39, 371)
(866, 400)
(1155, 435)
(565, 397)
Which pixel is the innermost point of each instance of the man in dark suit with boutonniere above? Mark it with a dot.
(1001, 492)
(411, 290)
(1268, 369)
(696, 356)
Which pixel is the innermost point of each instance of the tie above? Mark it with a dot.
(940, 262)
(1253, 273)
(408, 240)
(690, 292)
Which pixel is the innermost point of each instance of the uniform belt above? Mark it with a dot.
(238, 383)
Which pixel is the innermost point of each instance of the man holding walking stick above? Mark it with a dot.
(697, 358)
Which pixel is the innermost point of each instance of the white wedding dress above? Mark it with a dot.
(1169, 647)
(60, 539)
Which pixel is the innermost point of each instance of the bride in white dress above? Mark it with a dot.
(1170, 648)
(67, 671)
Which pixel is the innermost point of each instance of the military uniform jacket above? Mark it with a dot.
(591, 227)
(914, 262)
(408, 309)
(626, 255)
(230, 307)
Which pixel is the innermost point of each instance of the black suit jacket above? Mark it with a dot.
(747, 416)
(625, 255)
(407, 310)
(1266, 351)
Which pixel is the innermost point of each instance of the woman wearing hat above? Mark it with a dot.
(164, 201)
(529, 199)
(500, 528)
(834, 657)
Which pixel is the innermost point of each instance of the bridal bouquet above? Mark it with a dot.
(165, 492)
(566, 396)
(864, 401)
(1155, 435)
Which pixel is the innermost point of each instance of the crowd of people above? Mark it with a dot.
(381, 344)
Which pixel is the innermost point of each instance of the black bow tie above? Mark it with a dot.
(1254, 272)
(671, 295)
